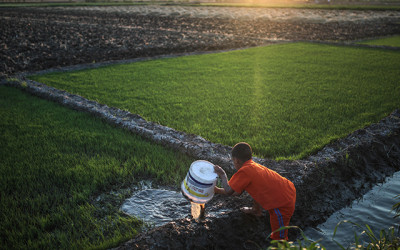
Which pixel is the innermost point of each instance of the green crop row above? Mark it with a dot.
(55, 161)
(393, 41)
(286, 100)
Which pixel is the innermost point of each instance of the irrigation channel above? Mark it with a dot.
(160, 206)
(373, 209)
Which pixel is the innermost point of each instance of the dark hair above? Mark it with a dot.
(242, 151)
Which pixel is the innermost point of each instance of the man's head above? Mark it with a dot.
(241, 153)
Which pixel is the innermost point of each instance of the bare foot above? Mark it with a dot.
(252, 211)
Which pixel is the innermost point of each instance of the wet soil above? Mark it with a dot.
(326, 182)
(42, 38)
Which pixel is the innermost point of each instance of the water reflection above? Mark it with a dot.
(373, 209)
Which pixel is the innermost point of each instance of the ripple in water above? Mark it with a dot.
(157, 206)
(374, 209)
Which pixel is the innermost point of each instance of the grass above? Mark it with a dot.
(286, 100)
(393, 41)
(55, 161)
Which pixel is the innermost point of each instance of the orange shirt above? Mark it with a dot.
(266, 186)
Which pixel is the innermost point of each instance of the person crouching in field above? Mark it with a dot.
(269, 190)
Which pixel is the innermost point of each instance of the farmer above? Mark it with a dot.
(268, 189)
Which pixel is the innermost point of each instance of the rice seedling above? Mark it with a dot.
(393, 41)
(286, 100)
(387, 238)
(54, 162)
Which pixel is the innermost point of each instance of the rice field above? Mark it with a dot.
(392, 41)
(286, 100)
(55, 162)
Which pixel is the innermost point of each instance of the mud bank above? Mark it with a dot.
(325, 182)
(34, 39)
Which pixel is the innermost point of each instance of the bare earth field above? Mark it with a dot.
(34, 39)
(40, 38)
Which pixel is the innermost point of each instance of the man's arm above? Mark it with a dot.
(226, 189)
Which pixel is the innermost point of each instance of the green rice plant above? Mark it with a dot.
(286, 100)
(54, 163)
(301, 243)
(393, 41)
(387, 239)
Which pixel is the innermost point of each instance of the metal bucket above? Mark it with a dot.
(198, 186)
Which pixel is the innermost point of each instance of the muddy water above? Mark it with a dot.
(157, 206)
(373, 209)
(197, 211)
